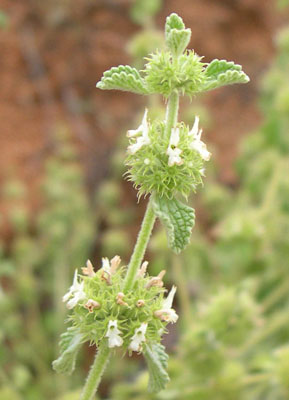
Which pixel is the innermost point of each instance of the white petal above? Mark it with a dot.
(142, 129)
(168, 302)
(67, 296)
(143, 328)
(174, 156)
(106, 265)
(114, 341)
(134, 132)
(134, 345)
(172, 316)
(72, 303)
(72, 288)
(175, 137)
(201, 148)
(138, 337)
(195, 129)
(140, 142)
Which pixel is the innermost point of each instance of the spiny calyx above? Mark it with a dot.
(166, 165)
(102, 311)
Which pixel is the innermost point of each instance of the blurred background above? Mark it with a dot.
(63, 198)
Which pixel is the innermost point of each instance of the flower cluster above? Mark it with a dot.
(164, 74)
(129, 320)
(166, 165)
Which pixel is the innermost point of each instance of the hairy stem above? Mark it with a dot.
(96, 372)
(140, 247)
(172, 113)
(149, 218)
(101, 358)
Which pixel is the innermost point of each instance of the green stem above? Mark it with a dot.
(103, 354)
(172, 113)
(140, 247)
(149, 218)
(96, 372)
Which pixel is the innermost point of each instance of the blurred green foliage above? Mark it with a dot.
(36, 270)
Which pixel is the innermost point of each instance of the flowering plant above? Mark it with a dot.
(118, 307)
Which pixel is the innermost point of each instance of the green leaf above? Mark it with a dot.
(177, 41)
(173, 21)
(177, 37)
(157, 361)
(70, 343)
(124, 78)
(221, 72)
(178, 220)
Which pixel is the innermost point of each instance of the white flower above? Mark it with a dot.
(75, 293)
(114, 339)
(173, 151)
(105, 265)
(174, 156)
(168, 302)
(167, 313)
(141, 134)
(138, 337)
(195, 129)
(196, 143)
(109, 268)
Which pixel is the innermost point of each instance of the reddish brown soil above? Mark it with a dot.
(52, 54)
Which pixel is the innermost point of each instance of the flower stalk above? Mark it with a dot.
(140, 247)
(96, 372)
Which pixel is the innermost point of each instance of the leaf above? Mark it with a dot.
(70, 343)
(173, 21)
(124, 78)
(177, 37)
(178, 220)
(157, 361)
(221, 72)
(177, 41)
